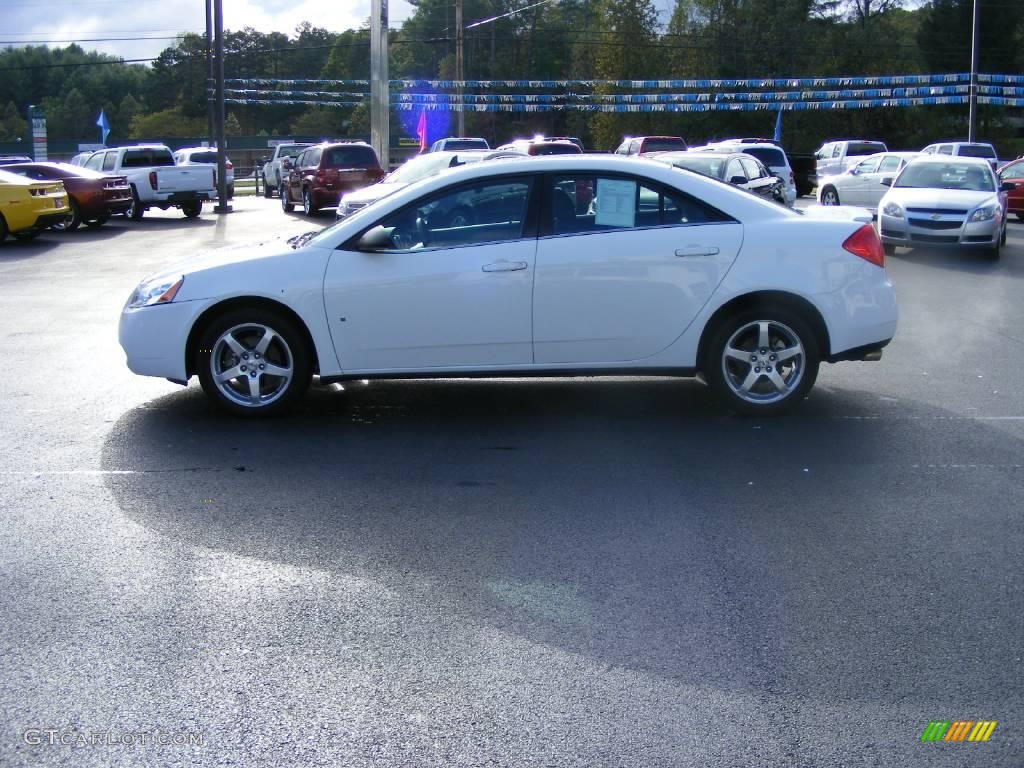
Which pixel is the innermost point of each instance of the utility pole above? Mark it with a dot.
(972, 118)
(222, 182)
(380, 116)
(460, 70)
(210, 76)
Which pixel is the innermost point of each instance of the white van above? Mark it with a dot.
(834, 157)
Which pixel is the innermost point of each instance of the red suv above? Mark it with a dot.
(324, 172)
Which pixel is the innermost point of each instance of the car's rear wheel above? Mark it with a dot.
(307, 204)
(829, 196)
(267, 191)
(1020, 217)
(192, 210)
(253, 362)
(136, 211)
(73, 219)
(762, 361)
(3, 228)
(286, 205)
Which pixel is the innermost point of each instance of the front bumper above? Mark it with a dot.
(900, 230)
(154, 338)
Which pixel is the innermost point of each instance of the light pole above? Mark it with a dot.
(460, 67)
(222, 185)
(380, 128)
(972, 115)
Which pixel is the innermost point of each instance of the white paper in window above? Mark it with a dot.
(616, 203)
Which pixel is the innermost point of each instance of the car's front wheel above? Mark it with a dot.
(253, 362)
(762, 361)
(286, 205)
(829, 196)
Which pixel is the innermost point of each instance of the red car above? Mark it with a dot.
(93, 197)
(1013, 173)
(324, 172)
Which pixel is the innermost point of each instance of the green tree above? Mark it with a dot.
(171, 122)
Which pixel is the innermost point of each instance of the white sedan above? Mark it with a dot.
(671, 273)
(861, 184)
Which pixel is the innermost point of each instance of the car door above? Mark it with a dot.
(436, 295)
(1014, 174)
(860, 178)
(759, 180)
(623, 280)
(888, 168)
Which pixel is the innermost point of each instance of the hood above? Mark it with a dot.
(217, 257)
(954, 199)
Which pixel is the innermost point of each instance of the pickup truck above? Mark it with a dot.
(155, 180)
(272, 175)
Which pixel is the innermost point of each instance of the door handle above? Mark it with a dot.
(504, 266)
(697, 250)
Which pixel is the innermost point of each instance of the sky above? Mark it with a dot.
(81, 21)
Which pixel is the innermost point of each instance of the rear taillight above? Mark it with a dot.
(228, 165)
(792, 180)
(152, 180)
(865, 243)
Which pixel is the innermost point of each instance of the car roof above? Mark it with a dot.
(936, 159)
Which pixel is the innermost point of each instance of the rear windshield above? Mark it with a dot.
(773, 158)
(861, 148)
(145, 158)
(976, 150)
(204, 157)
(353, 156)
(291, 150)
(456, 144)
(554, 149)
(667, 144)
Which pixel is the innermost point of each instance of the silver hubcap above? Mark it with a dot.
(830, 198)
(251, 365)
(763, 362)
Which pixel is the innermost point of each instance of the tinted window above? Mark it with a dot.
(666, 144)
(351, 156)
(204, 157)
(554, 149)
(588, 203)
(767, 155)
(861, 148)
(977, 150)
(146, 158)
(109, 160)
(456, 144)
(480, 213)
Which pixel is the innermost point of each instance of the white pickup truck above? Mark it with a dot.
(155, 179)
(272, 176)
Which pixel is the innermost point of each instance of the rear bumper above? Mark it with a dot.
(866, 352)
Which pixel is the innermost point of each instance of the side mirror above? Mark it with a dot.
(886, 182)
(738, 180)
(1007, 186)
(376, 239)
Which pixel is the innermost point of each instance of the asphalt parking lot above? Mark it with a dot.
(543, 573)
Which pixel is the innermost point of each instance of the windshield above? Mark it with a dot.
(967, 176)
(977, 150)
(709, 166)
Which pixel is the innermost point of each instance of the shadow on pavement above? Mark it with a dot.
(630, 521)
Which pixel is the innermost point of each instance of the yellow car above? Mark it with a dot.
(28, 206)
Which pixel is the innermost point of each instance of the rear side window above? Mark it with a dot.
(204, 157)
(889, 163)
(752, 168)
(767, 155)
(861, 148)
(946, 149)
(109, 160)
(351, 156)
(667, 144)
(146, 158)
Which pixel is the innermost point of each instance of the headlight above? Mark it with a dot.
(162, 290)
(985, 213)
(893, 209)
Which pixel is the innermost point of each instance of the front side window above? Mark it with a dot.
(585, 203)
(1015, 171)
(889, 163)
(946, 149)
(734, 172)
(95, 161)
(484, 212)
(752, 169)
(868, 166)
(109, 161)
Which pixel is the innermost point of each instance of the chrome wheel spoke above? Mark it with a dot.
(230, 373)
(750, 381)
(234, 344)
(254, 388)
(762, 335)
(787, 353)
(737, 354)
(777, 380)
(276, 370)
(268, 337)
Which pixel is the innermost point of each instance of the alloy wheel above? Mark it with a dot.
(251, 365)
(763, 362)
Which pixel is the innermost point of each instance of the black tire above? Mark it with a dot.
(889, 249)
(3, 228)
(715, 363)
(73, 221)
(193, 209)
(1002, 238)
(286, 205)
(267, 191)
(829, 196)
(995, 251)
(1020, 217)
(209, 352)
(98, 222)
(231, 191)
(308, 207)
(136, 212)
